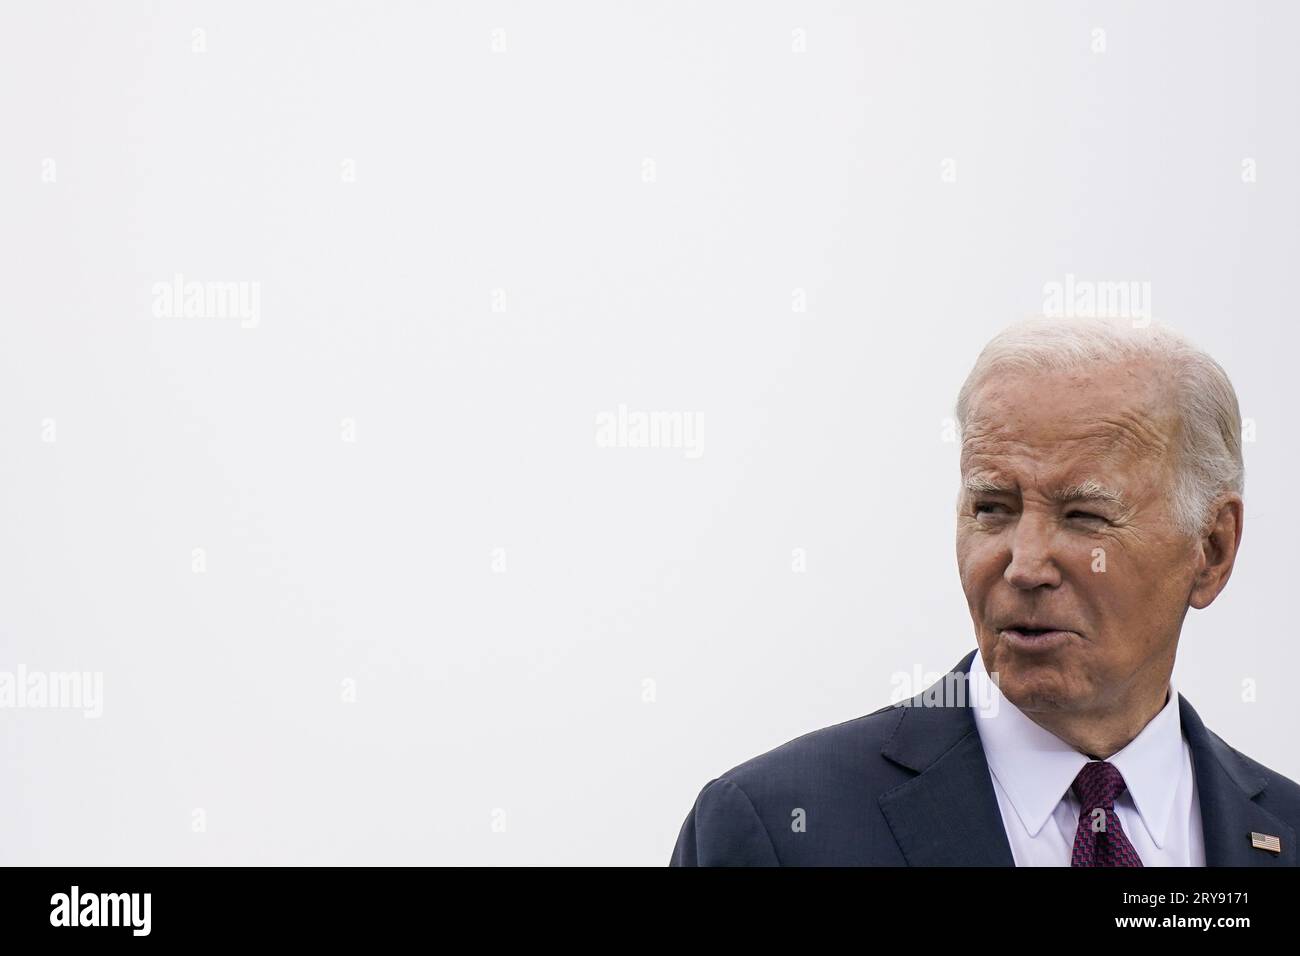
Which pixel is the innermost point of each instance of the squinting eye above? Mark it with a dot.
(1085, 514)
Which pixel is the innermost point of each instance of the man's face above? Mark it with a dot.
(1031, 554)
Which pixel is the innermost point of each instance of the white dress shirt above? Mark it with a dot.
(1033, 771)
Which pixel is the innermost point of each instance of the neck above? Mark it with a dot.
(1103, 734)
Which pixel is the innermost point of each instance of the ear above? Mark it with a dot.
(1217, 552)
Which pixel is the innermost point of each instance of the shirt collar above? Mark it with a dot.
(1036, 768)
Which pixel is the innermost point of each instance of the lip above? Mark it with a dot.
(1044, 641)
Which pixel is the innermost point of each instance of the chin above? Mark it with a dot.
(1037, 689)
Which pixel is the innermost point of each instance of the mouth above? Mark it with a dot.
(1039, 638)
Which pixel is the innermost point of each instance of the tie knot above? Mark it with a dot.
(1098, 784)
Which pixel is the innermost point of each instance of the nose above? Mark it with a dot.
(1033, 563)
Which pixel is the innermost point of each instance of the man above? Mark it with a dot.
(1101, 497)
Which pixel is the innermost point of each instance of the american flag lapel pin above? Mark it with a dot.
(1266, 841)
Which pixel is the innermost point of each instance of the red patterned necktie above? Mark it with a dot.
(1100, 843)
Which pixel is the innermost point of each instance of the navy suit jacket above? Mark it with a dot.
(909, 786)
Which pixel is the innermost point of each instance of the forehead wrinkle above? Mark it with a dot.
(1140, 432)
(1141, 429)
(1140, 439)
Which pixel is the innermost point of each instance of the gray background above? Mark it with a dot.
(522, 696)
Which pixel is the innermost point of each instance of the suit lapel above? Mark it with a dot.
(1226, 787)
(948, 814)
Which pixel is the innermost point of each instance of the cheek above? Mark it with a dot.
(979, 563)
(1137, 583)
(1095, 567)
(1130, 604)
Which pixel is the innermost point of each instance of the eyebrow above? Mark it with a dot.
(1087, 490)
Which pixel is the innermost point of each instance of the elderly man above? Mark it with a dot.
(1101, 497)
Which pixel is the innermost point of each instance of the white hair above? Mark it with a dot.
(1208, 462)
